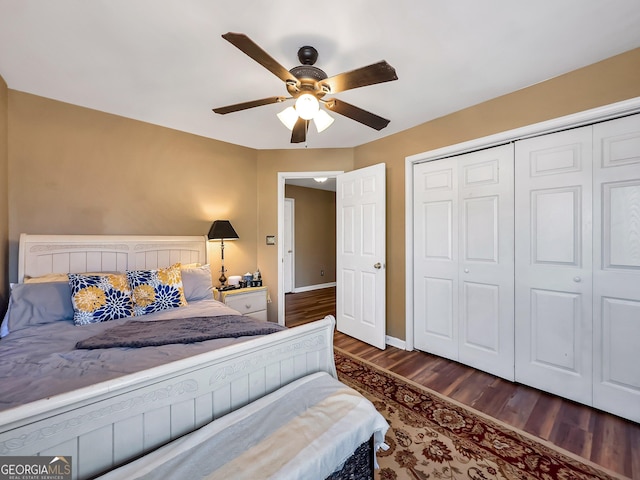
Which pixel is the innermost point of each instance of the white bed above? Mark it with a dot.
(106, 424)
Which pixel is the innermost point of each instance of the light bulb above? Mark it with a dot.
(307, 106)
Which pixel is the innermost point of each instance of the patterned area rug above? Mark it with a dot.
(432, 437)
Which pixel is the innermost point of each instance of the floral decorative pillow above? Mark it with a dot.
(99, 298)
(155, 290)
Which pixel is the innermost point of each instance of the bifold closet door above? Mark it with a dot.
(435, 282)
(463, 284)
(616, 281)
(553, 270)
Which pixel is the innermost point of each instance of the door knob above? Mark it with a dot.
(466, 270)
(377, 266)
(577, 279)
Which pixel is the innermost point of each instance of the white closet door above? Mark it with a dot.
(486, 261)
(553, 228)
(616, 285)
(436, 257)
(464, 259)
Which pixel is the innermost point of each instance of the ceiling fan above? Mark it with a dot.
(308, 85)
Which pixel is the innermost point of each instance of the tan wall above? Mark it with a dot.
(65, 165)
(4, 198)
(270, 163)
(315, 235)
(74, 170)
(609, 81)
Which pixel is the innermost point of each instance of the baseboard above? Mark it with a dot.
(395, 342)
(309, 288)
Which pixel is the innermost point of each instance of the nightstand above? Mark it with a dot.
(250, 301)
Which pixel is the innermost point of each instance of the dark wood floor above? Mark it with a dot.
(605, 439)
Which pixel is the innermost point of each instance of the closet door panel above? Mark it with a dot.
(553, 228)
(616, 302)
(436, 258)
(463, 248)
(554, 316)
(486, 332)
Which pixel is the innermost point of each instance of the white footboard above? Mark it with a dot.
(107, 424)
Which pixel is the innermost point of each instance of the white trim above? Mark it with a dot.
(282, 177)
(395, 342)
(408, 242)
(586, 117)
(309, 288)
(293, 243)
(569, 121)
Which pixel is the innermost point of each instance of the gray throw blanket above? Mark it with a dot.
(136, 333)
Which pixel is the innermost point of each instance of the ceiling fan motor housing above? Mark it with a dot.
(308, 77)
(307, 55)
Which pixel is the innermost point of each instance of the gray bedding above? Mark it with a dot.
(137, 334)
(41, 361)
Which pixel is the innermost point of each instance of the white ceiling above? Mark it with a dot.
(164, 61)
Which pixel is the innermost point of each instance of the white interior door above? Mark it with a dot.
(553, 225)
(616, 262)
(463, 254)
(361, 250)
(289, 240)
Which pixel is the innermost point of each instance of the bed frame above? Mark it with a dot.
(110, 423)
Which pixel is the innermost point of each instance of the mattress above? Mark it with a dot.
(41, 361)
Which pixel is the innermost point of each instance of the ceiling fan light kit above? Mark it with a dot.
(288, 117)
(322, 121)
(308, 85)
(307, 106)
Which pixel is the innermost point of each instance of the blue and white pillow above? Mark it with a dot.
(155, 290)
(99, 298)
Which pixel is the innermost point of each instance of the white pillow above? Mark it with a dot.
(197, 283)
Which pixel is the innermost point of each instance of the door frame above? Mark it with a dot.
(292, 228)
(586, 117)
(282, 178)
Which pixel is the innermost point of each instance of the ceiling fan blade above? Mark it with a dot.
(299, 132)
(243, 106)
(248, 46)
(359, 115)
(376, 73)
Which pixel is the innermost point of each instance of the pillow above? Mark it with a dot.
(35, 304)
(186, 266)
(99, 298)
(197, 283)
(49, 277)
(155, 290)
(59, 277)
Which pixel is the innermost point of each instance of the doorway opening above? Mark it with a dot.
(285, 258)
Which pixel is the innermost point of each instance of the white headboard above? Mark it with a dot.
(42, 254)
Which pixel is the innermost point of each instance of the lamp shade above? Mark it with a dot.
(288, 117)
(222, 230)
(322, 120)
